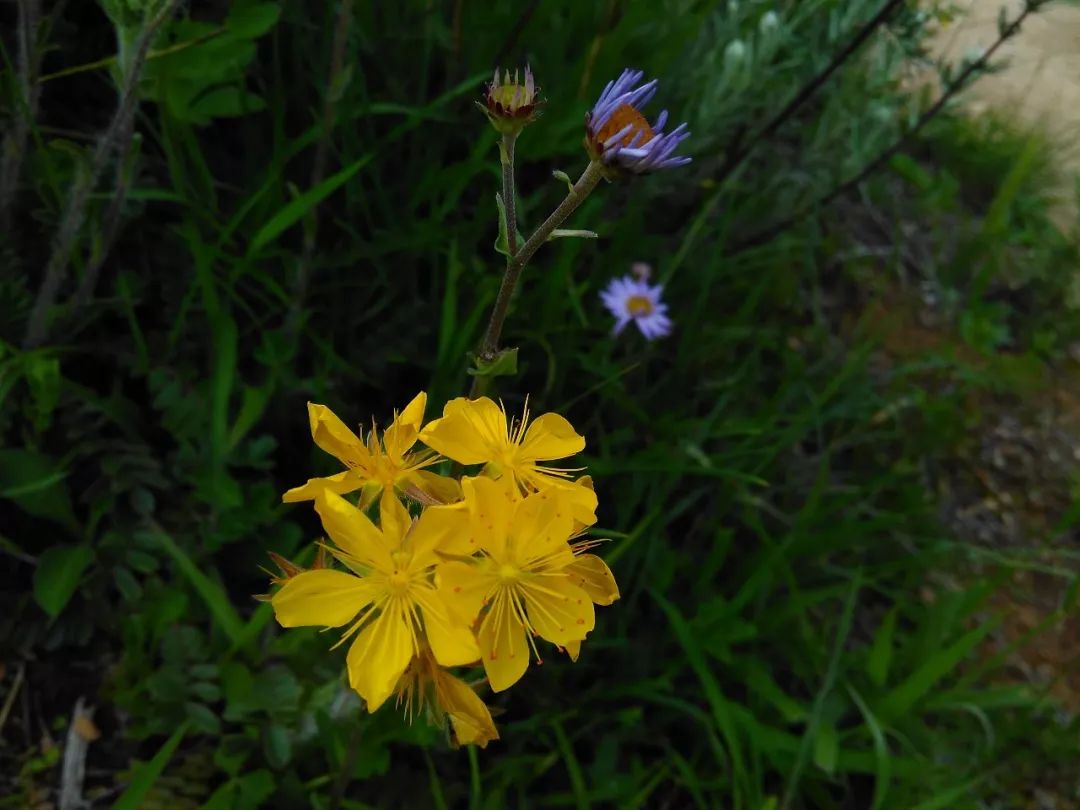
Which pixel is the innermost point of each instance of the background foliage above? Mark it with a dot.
(809, 618)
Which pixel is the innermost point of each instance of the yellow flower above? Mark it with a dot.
(287, 569)
(593, 576)
(528, 577)
(376, 467)
(388, 597)
(427, 686)
(477, 432)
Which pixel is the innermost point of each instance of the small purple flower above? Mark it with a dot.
(620, 136)
(634, 299)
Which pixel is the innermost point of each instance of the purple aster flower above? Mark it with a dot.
(620, 136)
(634, 299)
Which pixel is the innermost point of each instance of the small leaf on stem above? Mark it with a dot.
(502, 364)
(502, 243)
(561, 175)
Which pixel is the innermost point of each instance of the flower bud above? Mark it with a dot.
(734, 54)
(511, 104)
(768, 24)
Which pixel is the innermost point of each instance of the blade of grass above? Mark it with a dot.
(883, 775)
(903, 698)
(144, 778)
(713, 695)
(297, 208)
(573, 769)
(217, 602)
(816, 710)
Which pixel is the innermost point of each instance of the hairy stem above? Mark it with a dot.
(14, 145)
(75, 210)
(111, 222)
(959, 83)
(514, 265)
(506, 153)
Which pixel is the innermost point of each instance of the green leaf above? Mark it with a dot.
(826, 747)
(877, 662)
(251, 22)
(297, 208)
(145, 776)
(223, 102)
(502, 242)
(247, 792)
(36, 483)
(713, 692)
(558, 174)
(212, 594)
(278, 745)
(903, 698)
(57, 575)
(202, 718)
(504, 364)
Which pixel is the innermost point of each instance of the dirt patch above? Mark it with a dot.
(1040, 85)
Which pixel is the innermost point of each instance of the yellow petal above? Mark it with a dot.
(491, 509)
(371, 491)
(352, 532)
(469, 432)
(379, 656)
(347, 481)
(394, 519)
(402, 433)
(550, 436)
(451, 640)
(321, 598)
(573, 649)
(331, 434)
(503, 647)
(540, 527)
(463, 587)
(438, 530)
(469, 717)
(560, 611)
(438, 488)
(592, 575)
(582, 502)
(397, 439)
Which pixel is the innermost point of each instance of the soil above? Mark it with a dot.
(1040, 85)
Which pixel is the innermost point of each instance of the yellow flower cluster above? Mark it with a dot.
(488, 565)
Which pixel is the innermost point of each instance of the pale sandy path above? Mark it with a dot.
(1041, 83)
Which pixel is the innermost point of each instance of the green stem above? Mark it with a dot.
(507, 157)
(514, 265)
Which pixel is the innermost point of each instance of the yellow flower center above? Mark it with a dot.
(639, 305)
(622, 116)
(399, 580)
(509, 573)
(510, 96)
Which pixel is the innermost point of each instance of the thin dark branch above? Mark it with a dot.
(958, 84)
(111, 222)
(510, 43)
(75, 209)
(738, 154)
(14, 145)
